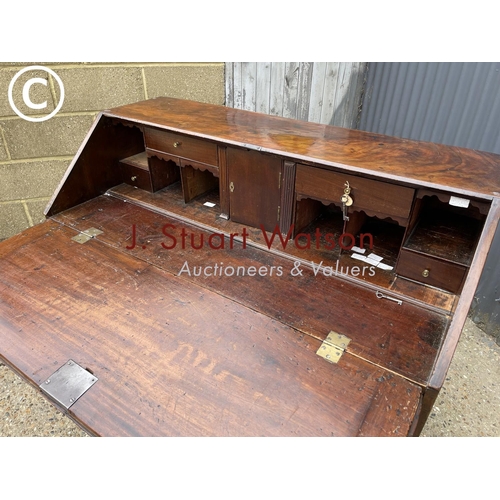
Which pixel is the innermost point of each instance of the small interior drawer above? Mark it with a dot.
(376, 198)
(181, 145)
(431, 271)
(136, 176)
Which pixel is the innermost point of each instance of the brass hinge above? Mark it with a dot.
(333, 347)
(279, 211)
(86, 235)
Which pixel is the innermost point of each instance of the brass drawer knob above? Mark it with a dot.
(177, 144)
(425, 273)
(133, 178)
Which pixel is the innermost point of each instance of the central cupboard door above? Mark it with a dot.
(254, 188)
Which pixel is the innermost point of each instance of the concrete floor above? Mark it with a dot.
(468, 404)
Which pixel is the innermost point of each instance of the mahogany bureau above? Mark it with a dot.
(206, 271)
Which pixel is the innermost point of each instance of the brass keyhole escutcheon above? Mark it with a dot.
(425, 273)
(231, 187)
(177, 144)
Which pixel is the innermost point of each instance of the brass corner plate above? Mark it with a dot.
(333, 347)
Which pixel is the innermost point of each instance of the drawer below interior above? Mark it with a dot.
(431, 270)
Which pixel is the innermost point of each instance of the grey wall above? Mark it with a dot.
(449, 103)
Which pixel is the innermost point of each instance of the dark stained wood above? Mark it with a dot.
(202, 167)
(140, 160)
(287, 201)
(451, 340)
(375, 198)
(223, 183)
(447, 234)
(152, 153)
(95, 167)
(163, 173)
(431, 296)
(181, 145)
(355, 223)
(387, 238)
(404, 339)
(427, 402)
(255, 178)
(307, 211)
(319, 240)
(197, 182)
(149, 172)
(439, 273)
(229, 285)
(170, 202)
(383, 406)
(174, 359)
(481, 206)
(136, 176)
(414, 162)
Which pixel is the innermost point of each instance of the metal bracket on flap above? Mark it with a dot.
(66, 385)
(86, 235)
(333, 347)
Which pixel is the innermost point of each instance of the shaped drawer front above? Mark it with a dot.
(376, 198)
(431, 270)
(181, 145)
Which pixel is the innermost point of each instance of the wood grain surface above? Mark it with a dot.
(173, 358)
(415, 162)
(181, 347)
(404, 339)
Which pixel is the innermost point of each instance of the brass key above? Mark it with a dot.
(346, 200)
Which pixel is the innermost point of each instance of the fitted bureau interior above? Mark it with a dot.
(235, 339)
(186, 167)
(414, 242)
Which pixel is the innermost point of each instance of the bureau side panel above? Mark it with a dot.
(95, 167)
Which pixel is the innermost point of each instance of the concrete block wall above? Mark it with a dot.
(35, 155)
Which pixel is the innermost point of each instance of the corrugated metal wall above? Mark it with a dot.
(320, 92)
(449, 103)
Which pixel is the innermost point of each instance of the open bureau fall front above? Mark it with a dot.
(207, 271)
